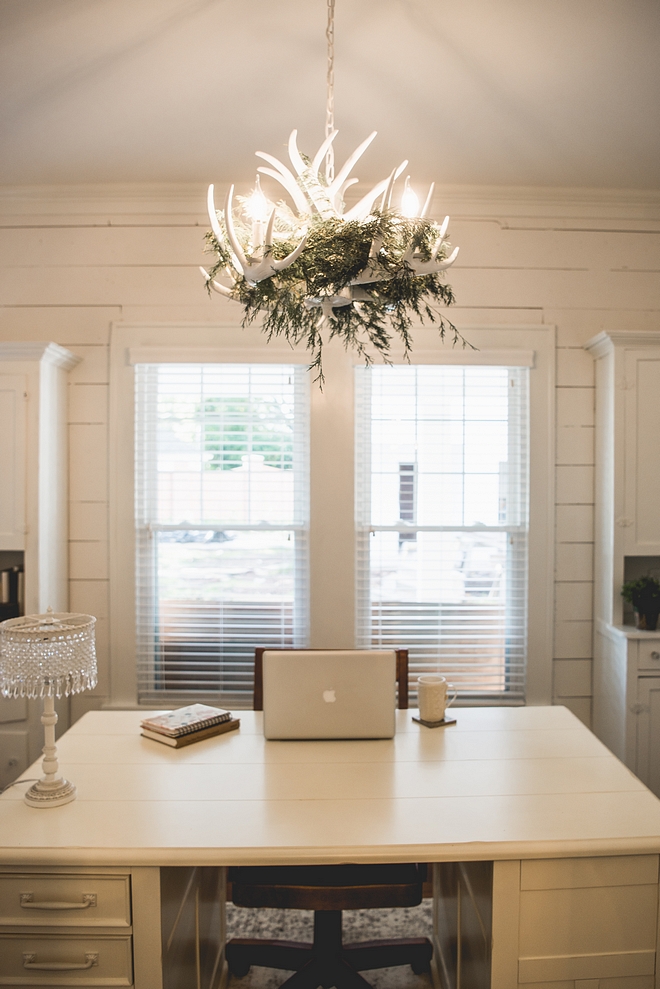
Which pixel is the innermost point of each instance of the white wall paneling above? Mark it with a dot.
(76, 260)
(574, 561)
(575, 406)
(38, 371)
(575, 445)
(34, 498)
(573, 640)
(13, 439)
(575, 523)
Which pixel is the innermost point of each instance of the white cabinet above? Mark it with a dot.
(149, 928)
(626, 675)
(627, 698)
(641, 488)
(547, 923)
(648, 730)
(627, 523)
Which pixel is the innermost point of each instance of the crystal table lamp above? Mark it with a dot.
(49, 656)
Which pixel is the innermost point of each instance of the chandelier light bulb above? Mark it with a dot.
(409, 201)
(256, 206)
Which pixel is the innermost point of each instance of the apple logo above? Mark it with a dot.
(329, 696)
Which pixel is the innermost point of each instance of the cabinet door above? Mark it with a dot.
(13, 391)
(642, 453)
(648, 733)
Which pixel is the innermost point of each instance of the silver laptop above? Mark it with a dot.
(347, 693)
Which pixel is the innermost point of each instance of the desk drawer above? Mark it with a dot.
(648, 655)
(65, 901)
(66, 960)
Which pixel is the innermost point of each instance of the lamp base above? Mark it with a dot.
(50, 794)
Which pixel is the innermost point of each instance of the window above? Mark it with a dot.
(331, 600)
(221, 493)
(442, 516)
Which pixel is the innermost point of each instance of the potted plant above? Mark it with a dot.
(644, 595)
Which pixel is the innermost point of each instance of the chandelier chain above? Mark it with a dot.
(330, 80)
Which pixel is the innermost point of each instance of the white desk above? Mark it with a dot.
(553, 833)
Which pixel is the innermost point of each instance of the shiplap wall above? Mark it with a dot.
(74, 260)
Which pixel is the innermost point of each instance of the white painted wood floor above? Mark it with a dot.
(358, 925)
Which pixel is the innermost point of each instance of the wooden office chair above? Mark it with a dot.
(327, 890)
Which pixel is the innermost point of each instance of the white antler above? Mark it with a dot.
(432, 267)
(263, 265)
(216, 286)
(302, 167)
(350, 295)
(427, 203)
(329, 302)
(317, 193)
(326, 200)
(215, 226)
(362, 209)
(322, 152)
(213, 216)
(296, 158)
(372, 271)
(347, 167)
(286, 179)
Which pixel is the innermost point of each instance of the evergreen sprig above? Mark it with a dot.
(336, 252)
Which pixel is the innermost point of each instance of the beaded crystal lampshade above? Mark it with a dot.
(49, 656)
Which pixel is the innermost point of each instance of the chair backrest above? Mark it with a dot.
(401, 676)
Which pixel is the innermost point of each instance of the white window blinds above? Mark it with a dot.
(442, 521)
(221, 506)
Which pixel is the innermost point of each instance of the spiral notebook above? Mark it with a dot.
(186, 720)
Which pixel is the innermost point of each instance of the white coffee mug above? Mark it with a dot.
(432, 690)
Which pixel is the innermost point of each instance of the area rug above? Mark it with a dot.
(358, 925)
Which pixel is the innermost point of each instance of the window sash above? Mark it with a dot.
(478, 639)
(200, 643)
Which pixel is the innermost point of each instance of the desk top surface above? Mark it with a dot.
(503, 783)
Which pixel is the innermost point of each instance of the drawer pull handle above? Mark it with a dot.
(27, 903)
(655, 655)
(30, 962)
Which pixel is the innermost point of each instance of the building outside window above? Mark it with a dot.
(442, 520)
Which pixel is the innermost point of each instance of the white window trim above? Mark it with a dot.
(331, 547)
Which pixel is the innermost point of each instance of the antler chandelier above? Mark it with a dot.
(320, 270)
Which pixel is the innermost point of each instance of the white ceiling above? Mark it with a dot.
(496, 92)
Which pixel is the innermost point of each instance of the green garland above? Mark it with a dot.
(335, 253)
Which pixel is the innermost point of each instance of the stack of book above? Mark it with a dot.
(188, 724)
